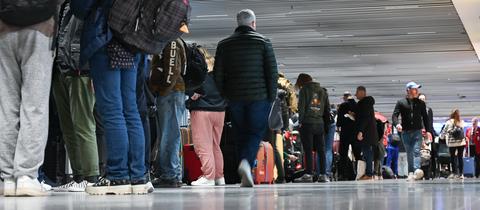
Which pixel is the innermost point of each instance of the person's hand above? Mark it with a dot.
(292, 157)
(360, 136)
(196, 96)
(399, 128)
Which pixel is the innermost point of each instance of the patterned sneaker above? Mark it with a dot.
(105, 186)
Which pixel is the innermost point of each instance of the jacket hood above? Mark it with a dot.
(369, 100)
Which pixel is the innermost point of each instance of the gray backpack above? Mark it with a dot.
(148, 25)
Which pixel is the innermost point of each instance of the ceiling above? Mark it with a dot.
(381, 44)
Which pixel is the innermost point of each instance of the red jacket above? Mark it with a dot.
(474, 136)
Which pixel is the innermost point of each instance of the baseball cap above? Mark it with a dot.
(413, 85)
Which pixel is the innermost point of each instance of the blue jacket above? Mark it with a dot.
(96, 33)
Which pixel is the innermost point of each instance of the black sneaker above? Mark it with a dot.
(105, 186)
(160, 183)
(139, 187)
(306, 178)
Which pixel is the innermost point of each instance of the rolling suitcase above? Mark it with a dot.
(468, 165)
(263, 172)
(192, 165)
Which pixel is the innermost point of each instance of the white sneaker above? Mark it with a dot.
(150, 187)
(7, 187)
(72, 186)
(46, 186)
(202, 181)
(220, 181)
(245, 172)
(419, 174)
(411, 177)
(451, 176)
(27, 186)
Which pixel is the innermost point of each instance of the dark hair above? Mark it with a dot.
(361, 88)
(303, 79)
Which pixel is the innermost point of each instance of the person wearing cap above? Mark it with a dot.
(346, 124)
(414, 117)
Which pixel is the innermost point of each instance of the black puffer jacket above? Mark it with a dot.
(365, 120)
(245, 67)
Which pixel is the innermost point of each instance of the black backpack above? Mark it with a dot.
(27, 12)
(148, 25)
(197, 68)
(68, 41)
(457, 133)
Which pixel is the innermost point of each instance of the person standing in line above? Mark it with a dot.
(114, 73)
(366, 129)
(454, 135)
(346, 125)
(25, 80)
(75, 101)
(473, 138)
(246, 75)
(313, 109)
(414, 116)
(207, 109)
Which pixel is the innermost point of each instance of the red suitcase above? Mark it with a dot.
(263, 173)
(192, 166)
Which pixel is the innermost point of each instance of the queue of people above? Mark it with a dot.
(106, 92)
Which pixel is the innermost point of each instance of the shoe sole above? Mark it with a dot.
(27, 192)
(110, 190)
(141, 189)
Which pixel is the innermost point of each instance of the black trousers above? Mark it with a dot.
(313, 137)
(347, 139)
(456, 158)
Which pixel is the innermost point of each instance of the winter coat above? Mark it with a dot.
(245, 67)
(365, 121)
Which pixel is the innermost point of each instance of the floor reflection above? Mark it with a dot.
(391, 195)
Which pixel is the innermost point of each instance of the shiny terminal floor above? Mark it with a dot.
(388, 194)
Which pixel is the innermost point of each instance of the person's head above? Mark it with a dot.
(361, 92)
(412, 89)
(455, 116)
(475, 122)
(422, 97)
(302, 80)
(208, 58)
(246, 17)
(347, 95)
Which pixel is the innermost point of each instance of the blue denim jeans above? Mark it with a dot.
(116, 103)
(142, 106)
(249, 121)
(392, 158)
(170, 109)
(412, 141)
(329, 138)
(367, 151)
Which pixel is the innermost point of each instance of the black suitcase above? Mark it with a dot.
(230, 156)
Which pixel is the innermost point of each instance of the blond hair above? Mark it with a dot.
(208, 58)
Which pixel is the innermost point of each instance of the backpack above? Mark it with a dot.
(24, 13)
(68, 41)
(457, 133)
(148, 25)
(167, 68)
(197, 68)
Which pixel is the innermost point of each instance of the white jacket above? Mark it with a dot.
(449, 126)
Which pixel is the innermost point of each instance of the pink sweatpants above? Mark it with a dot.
(207, 130)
